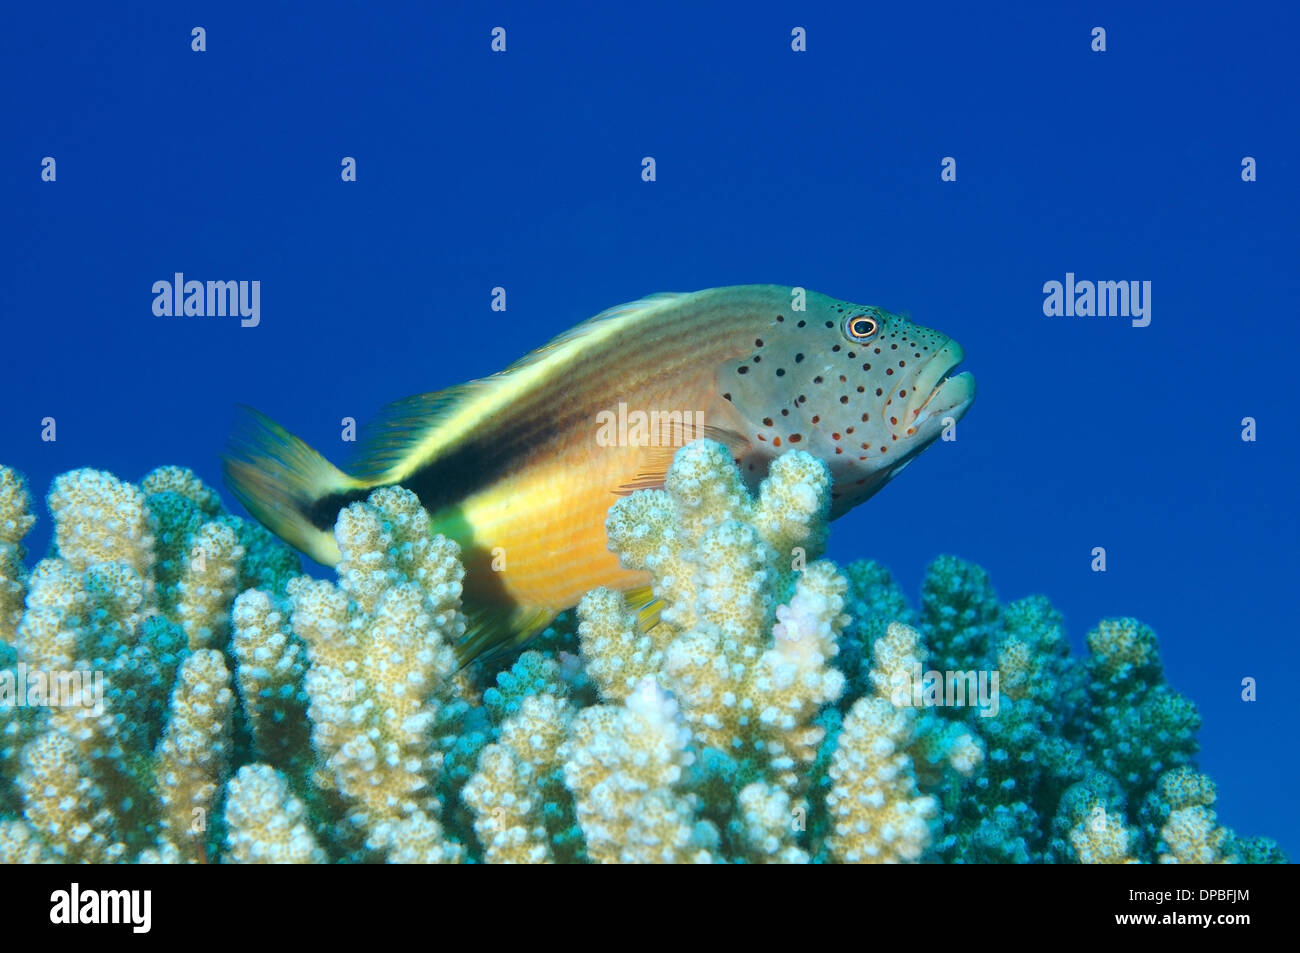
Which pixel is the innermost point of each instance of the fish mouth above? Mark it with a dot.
(946, 394)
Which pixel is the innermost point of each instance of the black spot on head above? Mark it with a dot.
(767, 421)
(780, 372)
(779, 317)
(798, 358)
(758, 342)
(835, 348)
(742, 369)
(785, 412)
(844, 399)
(757, 359)
(830, 324)
(801, 324)
(817, 379)
(726, 397)
(866, 367)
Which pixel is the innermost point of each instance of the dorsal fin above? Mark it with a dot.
(388, 439)
(495, 629)
(627, 310)
(414, 430)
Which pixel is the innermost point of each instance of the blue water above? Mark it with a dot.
(820, 169)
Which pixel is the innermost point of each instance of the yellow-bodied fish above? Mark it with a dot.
(530, 460)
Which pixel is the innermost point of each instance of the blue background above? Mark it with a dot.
(819, 169)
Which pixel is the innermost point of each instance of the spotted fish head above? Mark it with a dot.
(861, 388)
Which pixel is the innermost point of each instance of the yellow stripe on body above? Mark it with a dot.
(500, 393)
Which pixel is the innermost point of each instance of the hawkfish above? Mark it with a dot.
(527, 462)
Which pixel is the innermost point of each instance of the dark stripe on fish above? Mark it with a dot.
(324, 513)
(464, 470)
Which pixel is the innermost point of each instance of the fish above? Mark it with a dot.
(528, 461)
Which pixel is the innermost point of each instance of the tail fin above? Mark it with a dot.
(291, 489)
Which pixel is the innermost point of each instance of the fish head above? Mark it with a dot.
(861, 388)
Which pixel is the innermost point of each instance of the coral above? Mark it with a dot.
(1101, 838)
(99, 519)
(624, 765)
(380, 648)
(1182, 804)
(522, 814)
(186, 696)
(877, 813)
(126, 737)
(271, 666)
(193, 758)
(20, 844)
(265, 823)
(766, 818)
(1140, 727)
(748, 625)
(207, 587)
(15, 522)
(959, 611)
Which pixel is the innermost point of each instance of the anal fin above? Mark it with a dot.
(496, 629)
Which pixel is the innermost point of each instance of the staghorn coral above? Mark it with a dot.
(265, 823)
(877, 813)
(127, 752)
(1101, 838)
(748, 626)
(625, 765)
(522, 813)
(193, 758)
(15, 523)
(772, 715)
(380, 648)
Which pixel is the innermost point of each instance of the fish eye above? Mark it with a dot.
(860, 327)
